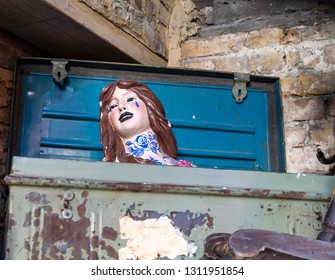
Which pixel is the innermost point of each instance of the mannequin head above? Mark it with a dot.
(128, 108)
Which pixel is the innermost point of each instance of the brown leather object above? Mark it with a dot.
(249, 243)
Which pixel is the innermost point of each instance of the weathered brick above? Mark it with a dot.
(291, 36)
(232, 63)
(310, 56)
(308, 84)
(203, 63)
(304, 160)
(331, 106)
(7, 56)
(322, 132)
(267, 61)
(295, 136)
(293, 58)
(6, 77)
(5, 115)
(329, 54)
(228, 43)
(5, 97)
(252, 61)
(144, 20)
(265, 38)
(323, 31)
(304, 109)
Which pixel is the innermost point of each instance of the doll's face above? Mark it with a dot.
(127, 114)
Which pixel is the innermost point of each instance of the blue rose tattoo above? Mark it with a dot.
(142, 143)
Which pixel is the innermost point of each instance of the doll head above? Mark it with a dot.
(128, 108)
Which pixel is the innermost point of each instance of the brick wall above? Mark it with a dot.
(301, 55)
(145, 20)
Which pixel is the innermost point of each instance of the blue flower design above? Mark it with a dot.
(142, 143)
(155, 161)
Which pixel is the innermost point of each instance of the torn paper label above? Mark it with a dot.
(151, 239)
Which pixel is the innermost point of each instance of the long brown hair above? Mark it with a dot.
(112, 143)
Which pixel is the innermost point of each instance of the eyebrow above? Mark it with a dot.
(126, 92)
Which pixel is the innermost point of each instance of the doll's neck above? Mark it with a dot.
(146, 146)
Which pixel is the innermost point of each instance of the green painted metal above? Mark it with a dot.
(194, 201)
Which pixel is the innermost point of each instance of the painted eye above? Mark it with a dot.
(130, 99)
(111, 107)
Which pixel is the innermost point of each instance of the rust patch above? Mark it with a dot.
(84, 194)
(291, 195)
(95, 242)
(257, 193)
(93, 255)
(11, 222)
(72, 233)
(82, 209)
(110, 250)
(109, 233)
(38, 211)
(210, 220)
(26, 245)
(68, 239)
(36, 222)
(27, 220)
(35, 246)
(36, 198)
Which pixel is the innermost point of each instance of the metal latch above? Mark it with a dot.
(240, 86)
(67, 211)
(59, 72)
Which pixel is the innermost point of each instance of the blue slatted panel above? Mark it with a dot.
(211, 129)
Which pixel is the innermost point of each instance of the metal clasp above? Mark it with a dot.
(59, 72)
(240, 86)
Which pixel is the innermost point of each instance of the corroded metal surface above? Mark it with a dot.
(115, 209)
(38, 230)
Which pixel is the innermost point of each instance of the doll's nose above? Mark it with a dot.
(122, 107)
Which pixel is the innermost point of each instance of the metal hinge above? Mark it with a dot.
(240, 86)
(58, 69)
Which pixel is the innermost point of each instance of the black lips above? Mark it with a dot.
(125, 116)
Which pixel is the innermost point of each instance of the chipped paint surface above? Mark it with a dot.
(152, 239)
(47, 235)
(106, 210)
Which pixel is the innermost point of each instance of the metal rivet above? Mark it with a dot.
(317, 225)
(67, 214)
(68, 195)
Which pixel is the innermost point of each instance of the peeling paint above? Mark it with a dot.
(152, 239)
(184, 220)
(11, 222)
(56, 238)
(187, 220)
